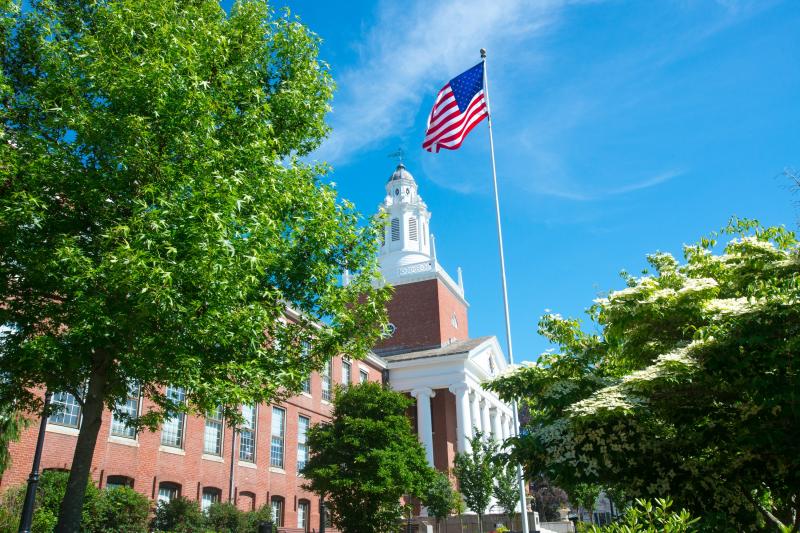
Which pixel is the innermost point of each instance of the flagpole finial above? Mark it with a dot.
(483, 53)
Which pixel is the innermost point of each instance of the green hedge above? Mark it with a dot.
(119, 510)
(123, 510)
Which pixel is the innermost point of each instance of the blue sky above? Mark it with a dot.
(621, 129)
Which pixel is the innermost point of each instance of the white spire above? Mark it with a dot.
(406, 240)
(408, 248)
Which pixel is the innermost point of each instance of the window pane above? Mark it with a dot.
(119, 427)
(302, 515)
(346, 373)
(210, 496)
(212, 437)
(167, 492)
(326, 382)
(247, 435)
(302, 446)
(277, 512)
(66, 410)
(276, 444)
(363, 376)
(116, 482)
(172, 430)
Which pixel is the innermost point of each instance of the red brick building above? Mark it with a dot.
(192, 456)
(428, 355)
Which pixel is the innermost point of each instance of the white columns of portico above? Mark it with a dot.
(475, 411)
(424, 424)
(497, 431)
(463, 416)
(485, 422)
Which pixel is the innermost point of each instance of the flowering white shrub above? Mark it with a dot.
(687, 388)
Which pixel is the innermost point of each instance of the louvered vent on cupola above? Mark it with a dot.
(395, 229)
(412, 228)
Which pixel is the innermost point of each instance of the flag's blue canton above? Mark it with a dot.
(467, 85)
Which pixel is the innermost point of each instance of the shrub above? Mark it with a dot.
(254, 518)
(110, 511)
(645, 516)
(226, 518)
(180, 515)
(118, 510)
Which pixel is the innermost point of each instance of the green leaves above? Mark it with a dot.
(688, 389)
(366, 459)
(476, 471)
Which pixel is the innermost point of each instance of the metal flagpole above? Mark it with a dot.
(520, 478)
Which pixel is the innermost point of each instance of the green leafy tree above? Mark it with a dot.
(366, 459)
(686, 387)
(439, 499)
(506, 490)
(476, 471)
(584, 496)
(157, 217)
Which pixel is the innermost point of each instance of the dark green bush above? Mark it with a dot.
(114, 511)
(226, 518)
(118, 510)
(180, 515)
(253, 518)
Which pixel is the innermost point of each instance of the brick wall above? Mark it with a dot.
(149, 463)
(422, 315)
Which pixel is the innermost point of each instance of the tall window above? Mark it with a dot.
(363, 376)
(212, 437)
(211, 495)
(412, 228)
(277, 510)
(326, 382)
(119, 427)
(303, 424)
(276, 444)
(303, 508)
(247, 434)
(395, 229)
(347, 371)
(173, 428)
(168, 491)
(66, 410)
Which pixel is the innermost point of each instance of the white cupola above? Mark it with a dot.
(406, 239)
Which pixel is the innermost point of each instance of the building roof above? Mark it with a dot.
(450, 349)
(401, 173)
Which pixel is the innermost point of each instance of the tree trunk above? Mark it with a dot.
(69, 517)
(480, 523)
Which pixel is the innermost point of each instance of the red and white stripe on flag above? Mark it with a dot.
(447, 125)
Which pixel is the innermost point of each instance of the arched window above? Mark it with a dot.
(412, 228)
(115, 482)
(395, 229)
(246, 501)
(303, 513)
(211, 495)
(168, 491)
(277, 510)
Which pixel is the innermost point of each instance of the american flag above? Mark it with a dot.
(459, 106)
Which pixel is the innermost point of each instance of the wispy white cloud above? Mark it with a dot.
(413, 49)
(646, 183)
